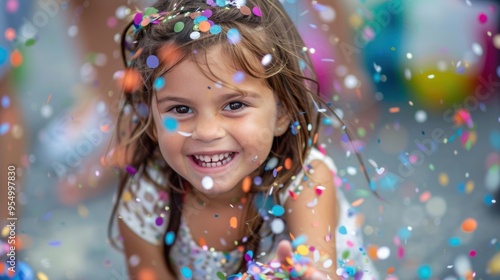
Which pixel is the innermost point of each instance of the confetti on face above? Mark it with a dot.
(239, 77)
(233, 222)
(159, 83)
(185, 134)
(4, 128)
(5, 101)
(170, 124)
(207, 182)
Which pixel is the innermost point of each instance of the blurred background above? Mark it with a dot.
(418, 82)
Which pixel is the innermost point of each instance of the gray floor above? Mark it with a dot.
(70, 242)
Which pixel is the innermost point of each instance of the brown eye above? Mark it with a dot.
(182, 109)
(233, 106)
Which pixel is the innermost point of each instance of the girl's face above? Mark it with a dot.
(221, 135)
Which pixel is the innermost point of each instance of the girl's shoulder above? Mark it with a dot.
(143, 206)
(316, 156)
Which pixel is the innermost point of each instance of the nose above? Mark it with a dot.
(208, 128)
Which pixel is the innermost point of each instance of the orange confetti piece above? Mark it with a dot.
(425, 196)
(390, 270)
(147, 274)
(233, 222)
(315, 138)
(357, 202)
(278, 169)
(246, 184)
(372, 252)
(204, 26)
(394, 110)
(288, 163)
(469, 225)
(202, 242)
(130, 81)
(16, 58)
(48, 99)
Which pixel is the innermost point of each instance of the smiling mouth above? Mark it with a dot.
(213, 160)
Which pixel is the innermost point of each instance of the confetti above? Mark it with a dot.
(207, 182)
(469, 225)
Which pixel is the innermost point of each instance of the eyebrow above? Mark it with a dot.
(221, 96)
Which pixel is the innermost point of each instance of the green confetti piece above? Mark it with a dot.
(30, 42)
(221, 275)
(345, 254)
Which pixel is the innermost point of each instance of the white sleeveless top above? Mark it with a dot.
(145, 210)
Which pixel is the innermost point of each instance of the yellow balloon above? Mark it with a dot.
(494, 265)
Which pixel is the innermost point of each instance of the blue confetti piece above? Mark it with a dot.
(233, 36)
(488, 200)
(170, 124)
(5, 101)
(169, 238)
(159, 83)
(186, 272)
(215, 29)
(238, 77)
(4, 128)
(424, 272)
(278, 210)
(454, 241)
(152, 61)
(199, 19)
(404, 233)
(342, 230)
(3, 55)
(55, 243)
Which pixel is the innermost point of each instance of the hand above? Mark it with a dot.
(284, 251)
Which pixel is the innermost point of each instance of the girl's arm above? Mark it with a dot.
(318, 221)
(151, 261)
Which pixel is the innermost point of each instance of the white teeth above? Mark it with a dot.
(214, 160)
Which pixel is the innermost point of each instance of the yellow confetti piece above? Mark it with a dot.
(233, 222)
(443, 179)
(126, 196)
(83, 211)
(494, 264)
(302, 250)
(469, 187)
(5, 231)
(42, 276)
(357, 202)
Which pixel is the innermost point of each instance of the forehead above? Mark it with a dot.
(213, 67)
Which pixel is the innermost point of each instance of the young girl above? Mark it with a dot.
(224, 165)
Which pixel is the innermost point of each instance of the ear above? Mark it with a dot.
(282, 123)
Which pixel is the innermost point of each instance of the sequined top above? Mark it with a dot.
(144, 209)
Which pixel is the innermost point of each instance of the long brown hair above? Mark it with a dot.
(290, 75)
